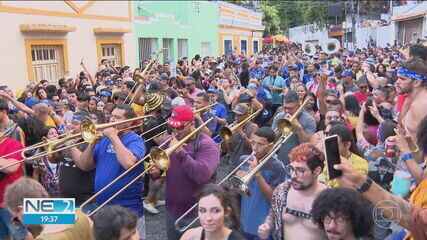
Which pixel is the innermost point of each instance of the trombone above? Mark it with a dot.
(139, 78)
(158, 158)
(285, 128)
(232, 172)
(227, 132)
(196, 111)
(241, 183)
(89, 133)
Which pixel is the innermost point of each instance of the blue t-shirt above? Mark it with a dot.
(277, 81)
(255, 208)
(108, 168)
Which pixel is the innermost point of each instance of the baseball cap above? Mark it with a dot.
(181, 115)
(347, 73)
(241, 109)
(105, 93)
(212, 90)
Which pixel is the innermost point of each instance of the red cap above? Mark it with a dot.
(181, 115)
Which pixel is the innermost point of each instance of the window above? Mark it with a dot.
(147, 48)
(255, 46)
(47, 62)
(243, 46)
(111, 52)
(167, 49)
(206, 49)
(182, 48)
(228, 47)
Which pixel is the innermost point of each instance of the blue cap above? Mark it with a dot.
(347, 73)
(212, 90)
(109, 82)
(105, 93)
(30, 102)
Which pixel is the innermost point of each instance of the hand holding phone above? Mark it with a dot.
(332, 156)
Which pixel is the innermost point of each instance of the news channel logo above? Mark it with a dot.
(386, 212)
(49, 211)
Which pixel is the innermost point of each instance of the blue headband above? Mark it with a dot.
(404, 72)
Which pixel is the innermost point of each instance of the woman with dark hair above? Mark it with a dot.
(40, 93)
(215, 206)
(381, 70)
(46, 169)
(348, 151)
(352, 109)
(244, 74)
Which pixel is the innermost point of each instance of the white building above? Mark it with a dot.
(410, 22)
(48, 39)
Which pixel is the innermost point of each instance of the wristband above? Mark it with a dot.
(406, 156)
(365, 186)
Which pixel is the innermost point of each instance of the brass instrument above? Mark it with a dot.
(232, 172)
(227, 132)
(196, 111)
(285, 128)
(158, 158)
(8, 131)
(139, 79)
(89, 133)
(331, 46)
(162, 156)
(309, 49)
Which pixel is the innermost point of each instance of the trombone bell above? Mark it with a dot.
(88, 130)
(285, 126)
(225, 133)
(241, 184)
(160, 158)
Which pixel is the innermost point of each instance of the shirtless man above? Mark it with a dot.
(412, 80)
(290, 217)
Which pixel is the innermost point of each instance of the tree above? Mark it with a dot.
(296, 13)
(270, 19)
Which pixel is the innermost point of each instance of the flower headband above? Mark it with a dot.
(404, 72)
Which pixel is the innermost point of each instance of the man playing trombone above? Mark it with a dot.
(303, 124)
(112, 155)
(191, 167)
(254, 207)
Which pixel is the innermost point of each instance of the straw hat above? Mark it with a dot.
(153, 101)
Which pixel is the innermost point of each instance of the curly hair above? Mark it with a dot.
(308, 153)
(348, 203)
(422, 135)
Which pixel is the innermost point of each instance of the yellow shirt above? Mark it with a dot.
(139, 109)
(359, 164)
(50, 122)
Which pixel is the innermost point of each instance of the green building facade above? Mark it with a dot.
(180, 28)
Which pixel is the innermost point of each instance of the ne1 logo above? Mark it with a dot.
(49, 211)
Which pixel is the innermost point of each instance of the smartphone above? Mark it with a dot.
(332, 156)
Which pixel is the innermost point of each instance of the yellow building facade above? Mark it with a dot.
(240, 29)
(49, 39)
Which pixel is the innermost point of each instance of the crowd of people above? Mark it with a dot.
(373, 99)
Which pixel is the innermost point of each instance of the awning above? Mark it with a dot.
(46, 28)
(280, 38)
(409, 16)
